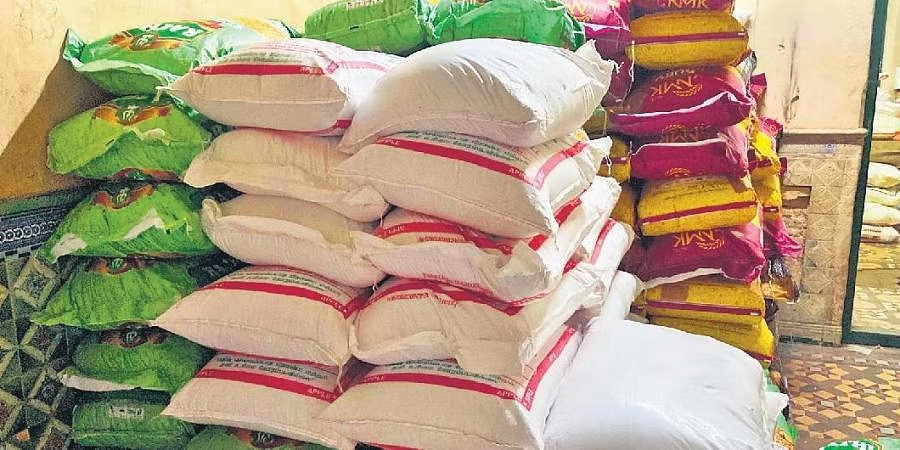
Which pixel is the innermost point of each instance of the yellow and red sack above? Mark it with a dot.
(625, 210)
(598, 124)
(618, 164)
(777, 239)
(652, 6)
(693, 204)
(674, 40)
(756, 340)
(692, 152)
(708, 298)
(764, 161)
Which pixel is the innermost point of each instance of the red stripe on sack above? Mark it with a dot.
(284, 69)
(759, 357)
(495, 166)
(441, 380)
(458, 295)
(480, 240)
(771, 209)
(562, 215)
(690, 212)
(598, 247)
(280, 289)
(269, 381)
(680, 306)
(713, 36)
(541, 370)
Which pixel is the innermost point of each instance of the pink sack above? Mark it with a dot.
(693, 152)
(621, 82)
(653, 6)
(735, 252)
(777, 240)
(711, 97)
(606, 22)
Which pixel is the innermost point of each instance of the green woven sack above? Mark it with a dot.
(107, 293)
(538, 21)
(854, 445)
(221, 438)
(132, 219)
(135, 137)
(128, 420)
(146, 358)
(137, 60)
(389, 26)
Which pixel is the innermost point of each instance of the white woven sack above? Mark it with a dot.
(436, 405)
(625, 288)
(883, 175)
(512, 92)
(275, 396)
(284, 164)
(412, 245)
(886, 197)
(270, 311)
(880, 215)
(641, 386)
(300, 85)
(498, 189)
(280, 231)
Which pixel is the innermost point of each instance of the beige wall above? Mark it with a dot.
(39, 90)
(891, 60)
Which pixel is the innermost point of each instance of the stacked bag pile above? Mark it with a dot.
(138, 238)
(881, 216)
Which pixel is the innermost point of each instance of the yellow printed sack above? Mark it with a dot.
(756, 340)
(625, 210)
(598, 123)
(618, 164)
(694, 204)
(674, 40)
(763, 159)
(708, 298)
(768, 190)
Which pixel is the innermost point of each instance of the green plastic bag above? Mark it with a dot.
(538, 21)
(107, 293)
(389, 26)
(137, 60)
(135, 137)
(221, 438)
(854, 445)
(146, 358)
(128, 420)
(132, 219)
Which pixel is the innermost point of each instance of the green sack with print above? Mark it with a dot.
(138, 60)
(146, 358)
(107, 293)
(538, 21)
(128, 420)
(854, 445)
(389, 26)
(130, 138)
(222, 438)
(132, 219)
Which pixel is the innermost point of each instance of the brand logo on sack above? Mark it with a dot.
(117, 196)
(683, 4)
(165, 35)
(125, 412)
(680, 133)
(131, 110)
(353, 4)
(679, 172)
(680, 86)
(706, 240)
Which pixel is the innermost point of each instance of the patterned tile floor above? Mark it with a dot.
(840, 393)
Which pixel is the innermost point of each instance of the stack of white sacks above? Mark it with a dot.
(462, 191)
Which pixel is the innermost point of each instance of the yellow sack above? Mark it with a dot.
(694, 204)
(768, 190)
(756, 340)
(625, 210)
(763, 159)
(674, 40)
(598, 123)
(708, 298)
(618, 164)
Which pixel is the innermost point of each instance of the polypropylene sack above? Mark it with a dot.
(390, 26)
(132, 219)
(651, 6)
(146, 358)
(713, 97)
(275, 312)
(708, 298)
(417, 246)
(693, 204)
(692, 152)
(673, 40)
(764, 161)
(883, 176)
(778, 241)
(429, 404)
(538, 21)
(768, 190)
(756, 340)
(279, 231)
(882, 235)
(625, 210)
(135, 137)
(597, 124)
(128, 420)
(617, 164)
(735, 252)
(230, 438)
(495, 188)
(283, 164)
(138, 60)
(275, 396)
(106, 293)
(606, 22)
(886, 197)
(623, 291)
(611, 400)
(620, 83)
(493, 88)
(880, 215)
(301, 85)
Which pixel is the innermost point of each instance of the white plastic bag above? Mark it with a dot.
(512, 92)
